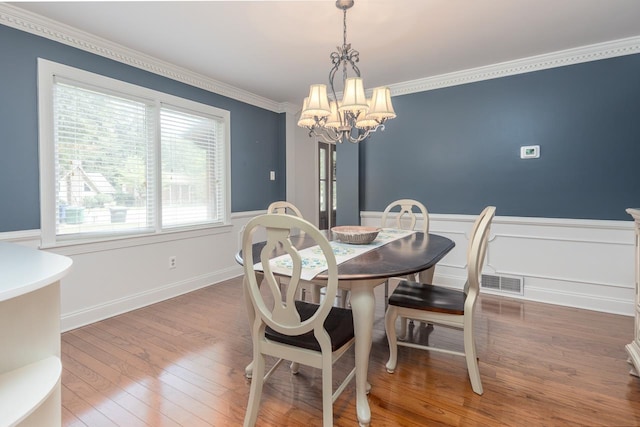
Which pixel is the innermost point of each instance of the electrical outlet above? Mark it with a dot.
(172, 262)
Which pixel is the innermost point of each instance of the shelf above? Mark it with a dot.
(24, 270)
(24, 389)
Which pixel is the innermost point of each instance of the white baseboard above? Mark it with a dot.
(108, 309)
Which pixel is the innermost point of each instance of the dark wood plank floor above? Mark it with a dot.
(181, 363)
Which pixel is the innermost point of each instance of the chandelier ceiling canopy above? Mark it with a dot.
(355, 116)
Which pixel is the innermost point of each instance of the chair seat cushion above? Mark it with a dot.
(426, 297)
(338, 324)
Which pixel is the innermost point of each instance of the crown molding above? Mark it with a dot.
(291, 108)
(23, 20)
(35, 24)
(611, 49)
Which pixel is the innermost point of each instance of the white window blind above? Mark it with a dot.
(103, 162)
(192, 168)
(118, 159)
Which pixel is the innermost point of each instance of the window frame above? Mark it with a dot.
(48, 71)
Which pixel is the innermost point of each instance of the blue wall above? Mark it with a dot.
(257, 135)
(457, 149)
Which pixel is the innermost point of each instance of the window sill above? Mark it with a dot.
(76, 247)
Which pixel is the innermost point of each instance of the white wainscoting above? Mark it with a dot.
(587, 264)
(111, 278)
(579, 263)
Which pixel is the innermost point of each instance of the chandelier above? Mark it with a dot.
(338, 121)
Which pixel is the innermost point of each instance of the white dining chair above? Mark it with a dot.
(287, 208)
(283, 207)
(406, 219)
(311, 334)
(442, 305)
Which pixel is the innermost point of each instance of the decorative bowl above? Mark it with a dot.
(355, 234)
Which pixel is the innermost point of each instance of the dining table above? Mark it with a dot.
(414, 253)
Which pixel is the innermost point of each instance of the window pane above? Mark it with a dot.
(323, 171)
(323, 194)
(192, 168)
(102, 151)
(335, 196)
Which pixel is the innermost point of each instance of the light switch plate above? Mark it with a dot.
(272, 175)
(530, 152)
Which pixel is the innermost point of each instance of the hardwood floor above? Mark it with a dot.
(181, 363)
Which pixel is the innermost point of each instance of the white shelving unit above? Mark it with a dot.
(30, 365)
(633, 349)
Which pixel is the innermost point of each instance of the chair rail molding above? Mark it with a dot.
(571, 262)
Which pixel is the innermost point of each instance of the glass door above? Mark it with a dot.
(327, 184)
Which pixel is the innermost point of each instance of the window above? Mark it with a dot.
(121, 160)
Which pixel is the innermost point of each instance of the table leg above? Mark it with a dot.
(362, 305)
(426, 276)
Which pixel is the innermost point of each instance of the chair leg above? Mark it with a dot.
(344, 295)
(295, 367)
(390, 326)
(327, 392)
(404, 323)
(472, 359)
(255, 393)
(315, 294)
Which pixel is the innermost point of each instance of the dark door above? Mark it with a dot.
(327, 184)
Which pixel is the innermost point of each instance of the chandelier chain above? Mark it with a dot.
(344, 45)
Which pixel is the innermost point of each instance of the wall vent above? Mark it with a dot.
(507, 284)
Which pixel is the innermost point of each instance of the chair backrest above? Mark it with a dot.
(406, 208)
(282, 316)
(283, 207)
(476, 252)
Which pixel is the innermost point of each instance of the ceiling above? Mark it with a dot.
(275, 49)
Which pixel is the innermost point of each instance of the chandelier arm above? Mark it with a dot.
(328, 135)
(354, 66)
(360, 138)
(332, 75)
(364, 135)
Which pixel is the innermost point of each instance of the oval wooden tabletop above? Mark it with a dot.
(400, 257)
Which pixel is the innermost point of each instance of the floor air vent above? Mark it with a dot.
(510, 284)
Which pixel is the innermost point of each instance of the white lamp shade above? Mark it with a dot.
(333, 121)
(365, 123)
(306, 120)
(381, 107)
(354, 98)
(317, 103)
